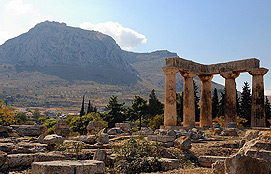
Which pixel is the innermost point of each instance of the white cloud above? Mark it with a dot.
(267, 92)
(125, 37)
(18, 17)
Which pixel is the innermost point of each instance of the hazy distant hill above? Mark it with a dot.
(53, 65)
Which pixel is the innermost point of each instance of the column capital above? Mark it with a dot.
(170, 70)
(186, 74)
(258, 71)
(230, 74)
(205, 77)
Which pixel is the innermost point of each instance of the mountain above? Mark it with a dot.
(70, 53)
(54, 65)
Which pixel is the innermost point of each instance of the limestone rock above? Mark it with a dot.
(6, 147)
(161, 138)
(169, 164)
(114, 131)
(61, 128)
(241, 164)
(207, 161)
(89, 139)
(183, 143)
(53, 139)
(93, 126)
(29, 130)
(144, 131)
(103, 138)
(3, 129)
(69, 167)
(3, 158)
(229, 132)
(217, 131)
(18, 160)
(218, 167)
(232, 125)
(217, 125)
(126, 127)
(39, 157)
(99, 155)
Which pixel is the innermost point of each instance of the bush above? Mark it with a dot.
(137, 155)
(157, 121)
(239, 121)
(50, 124)
(79, 124)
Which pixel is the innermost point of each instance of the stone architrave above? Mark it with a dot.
(206, 100)
(230, 97)
(188, 99)
(170, 113)
(257, 108)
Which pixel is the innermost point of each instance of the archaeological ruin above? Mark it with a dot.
(230, 71)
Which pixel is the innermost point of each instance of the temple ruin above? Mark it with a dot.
(230, 71)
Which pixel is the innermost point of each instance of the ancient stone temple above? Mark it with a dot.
(230, 71)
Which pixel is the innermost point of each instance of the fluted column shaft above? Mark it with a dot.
(230, 97)
(170, 113)
(188, 100)
(206, 100)
(257, 108)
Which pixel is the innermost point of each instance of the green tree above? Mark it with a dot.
(7, 114)
(267, 111)
(20, 118)
(138, 109)
(245, 103)
(115, 112)
(155, 106)
(222, 104)
(179, 106)
(196, 99)
(157, 121)
(82, 111)
(36, 114)
(91, 108)
(50, 124)
(215, 104)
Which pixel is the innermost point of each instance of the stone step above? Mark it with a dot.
(207, 161)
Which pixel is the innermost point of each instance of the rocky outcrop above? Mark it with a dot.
(93, 126)
(29, 130)
(183, 143)
(61, 128)
(53, 139)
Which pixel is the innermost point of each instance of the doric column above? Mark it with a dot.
(230, 97)
(188, 99)
(170, 113)
(206, 100)
(257, 108)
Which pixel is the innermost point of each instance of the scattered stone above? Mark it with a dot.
(19, 160)
(232, 125)
(114, 131)
(53, 139)
(125, 127)
(39, 157)
(6, 147)
(180, 132)
(169, 164)
(207, 161)
(3, 129)
(99, 155)
(161, 138)
(61, 128)
(217, 131)
(183, 143)
(218, 167)
(241, 164)
(89, 139)
(103, 138)
(3, 158)
(93, 126)
(144, 131)
(30, 130)
(229, 132)
(217, 125)
(69, 167)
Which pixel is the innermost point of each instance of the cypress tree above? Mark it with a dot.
(215, 104)
(155, 107)
(222, 104)
(90, 108)
(82, 111)
(196, 100)
(245, 103)
(179, 105)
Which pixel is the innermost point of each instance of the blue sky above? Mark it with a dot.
(208, 31)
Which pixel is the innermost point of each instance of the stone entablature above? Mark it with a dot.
(230, 71)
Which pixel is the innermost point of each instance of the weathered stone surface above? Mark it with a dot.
(161, 138)
(40, 157)
(93, 126)
(19, 160)
(99, 155)
(53, 139)
(184, 143)
(61, 128)
(144, 131)
(3, 129)
(229, 132)
(69, 167)
(103, 138)
(217, 131)
(89, 139)
(169, 164)
(123, 126)
(6, 147)
(207, 161)
(218, 167)
(29, 130)
(241, 164)
(3, 158)
(114, 131)
(217, 125)
(232, 125)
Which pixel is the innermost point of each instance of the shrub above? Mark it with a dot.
(239, 121)
(50, 124)
(157, 121)
(137, 155)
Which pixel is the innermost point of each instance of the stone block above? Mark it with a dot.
(29, 130)
(207, 161)
(169, 164)
(40, 157)
(68, 167)
(19, 160)
(3, 158)
(123, 126)
(183, 143)
(53, 139)
(161, 138)
(89, 139)
(218, 167)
